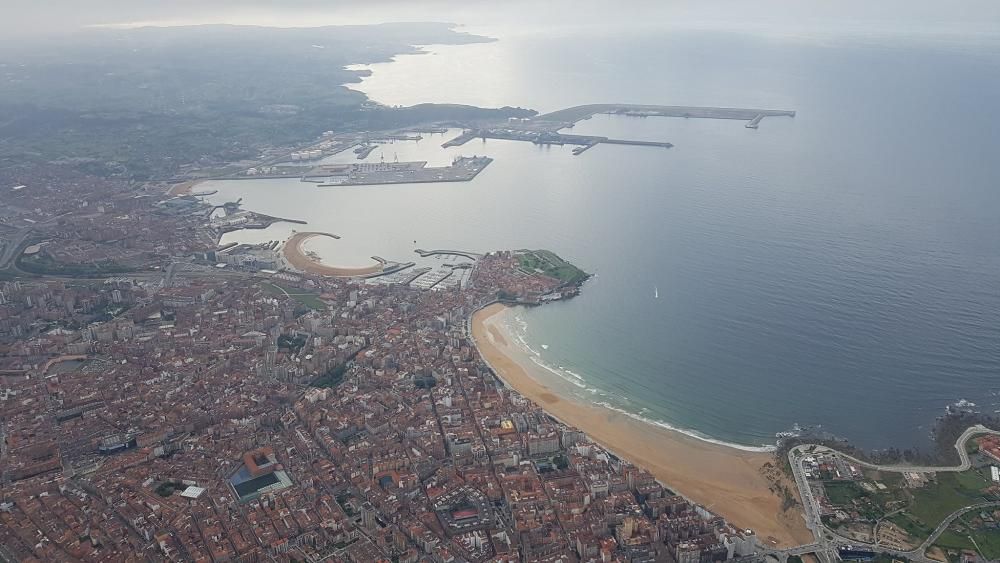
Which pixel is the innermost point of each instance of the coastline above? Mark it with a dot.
(184, 188)
(296, 256)
(729, 481)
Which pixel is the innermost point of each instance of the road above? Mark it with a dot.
(827, 541)
(963, 455)
(947, 522)
(13, 246)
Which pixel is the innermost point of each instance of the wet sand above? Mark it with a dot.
(727, 480)
(295, 255)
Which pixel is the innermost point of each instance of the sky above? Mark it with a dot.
(25, 18)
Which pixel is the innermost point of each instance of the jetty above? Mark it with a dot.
(470, 255)
(460, 140)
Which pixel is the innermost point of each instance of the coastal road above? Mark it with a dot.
(827, 540)
(810, 505)
(963, 455)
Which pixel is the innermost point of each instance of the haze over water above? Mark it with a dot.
(840, 268)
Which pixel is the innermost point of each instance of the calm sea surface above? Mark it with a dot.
(841, 268)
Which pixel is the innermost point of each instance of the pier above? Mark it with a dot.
(460, 140)
(389, 268)
(755, 121)
(364, 150)
(470, 255)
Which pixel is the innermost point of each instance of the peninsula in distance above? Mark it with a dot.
(559, 283)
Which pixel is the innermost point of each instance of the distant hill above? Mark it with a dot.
(140, 102)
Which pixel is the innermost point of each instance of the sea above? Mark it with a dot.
(839, 269)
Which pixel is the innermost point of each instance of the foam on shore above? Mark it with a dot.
(732, 480)
(518, 334)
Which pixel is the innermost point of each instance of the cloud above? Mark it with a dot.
(31, 17)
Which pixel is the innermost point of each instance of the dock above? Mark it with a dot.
(546, 137)
(660, 144)
(460, 140)
(462, 169)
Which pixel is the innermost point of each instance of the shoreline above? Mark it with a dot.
(729, 481)
(184, 188)
(540, 365)
(294, 253)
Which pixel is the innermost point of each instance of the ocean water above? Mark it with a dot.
(840, 268)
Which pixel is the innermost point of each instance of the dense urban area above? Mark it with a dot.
(179, 411)
(168, 397)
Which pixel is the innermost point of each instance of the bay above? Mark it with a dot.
(839, 268)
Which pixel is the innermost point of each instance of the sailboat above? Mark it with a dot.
(656, 292)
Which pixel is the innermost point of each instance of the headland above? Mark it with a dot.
(737, 484)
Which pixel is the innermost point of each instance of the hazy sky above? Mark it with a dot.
(20, 17)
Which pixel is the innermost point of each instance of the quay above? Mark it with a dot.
(546, 137)
(462, 169)
(661, 144)
(460, 140)
(400, 137)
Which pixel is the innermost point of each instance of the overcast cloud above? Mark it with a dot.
(42, 17)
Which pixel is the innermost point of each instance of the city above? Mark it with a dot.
(187, 412)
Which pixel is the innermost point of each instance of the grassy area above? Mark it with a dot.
(168, 488)
(843, 493)
(988, 542)
(43, 265)
(891, 479)
(952, 540)
(971, 446)
(952, 491)
(912, 527)
(8, 274)
(552, 265)
(305, 298)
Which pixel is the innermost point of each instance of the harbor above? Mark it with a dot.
(462, 169)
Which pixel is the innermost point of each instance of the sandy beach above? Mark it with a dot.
(184, 188)
(727, 480)
(295, 254)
